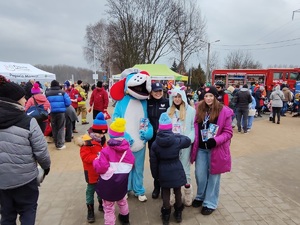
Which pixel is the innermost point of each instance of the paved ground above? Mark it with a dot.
(263, 187)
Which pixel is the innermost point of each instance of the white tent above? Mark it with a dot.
(20, 72)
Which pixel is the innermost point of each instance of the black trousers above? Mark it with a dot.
(166, 197)
(95, 113)
(58, 123)
(69, 129)
(276, 111)
(22, 201)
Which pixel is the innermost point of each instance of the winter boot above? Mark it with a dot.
(124, 219)
(188, 196)
(100, 208)
(178, 213)
(155, 192)
(165, 215)
(90, 215)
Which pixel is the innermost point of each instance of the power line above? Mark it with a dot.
(282, 46)
(267, 43)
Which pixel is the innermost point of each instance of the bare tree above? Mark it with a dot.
(241, 60)
(140, 31)
(189, 29)
(97, 47)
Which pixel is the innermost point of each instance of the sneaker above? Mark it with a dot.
(83, 123)
(142, 198)
(248, 130)
(62, 147)
(75, 131)
(239, 132)
(49, 139)
(245, 132)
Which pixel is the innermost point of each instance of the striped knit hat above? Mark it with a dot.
(165, 122)
(117, 128)
(99, 124)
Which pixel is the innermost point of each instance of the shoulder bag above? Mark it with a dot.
(37, 111)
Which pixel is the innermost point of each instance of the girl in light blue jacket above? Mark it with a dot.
(182, 115)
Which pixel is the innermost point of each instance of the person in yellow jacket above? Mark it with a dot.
(81, 105)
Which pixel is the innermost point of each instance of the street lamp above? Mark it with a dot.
(207, 64)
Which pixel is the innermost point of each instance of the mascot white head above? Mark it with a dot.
(134, 83)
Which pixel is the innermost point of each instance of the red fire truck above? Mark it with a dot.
(268, 77)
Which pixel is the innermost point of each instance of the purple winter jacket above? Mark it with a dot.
(220, 161)
(115, 188)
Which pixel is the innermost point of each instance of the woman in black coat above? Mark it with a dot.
(166, 166)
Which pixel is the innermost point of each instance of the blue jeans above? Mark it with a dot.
(284, 108)
(208, 185)
(242, 113)
(250, 122)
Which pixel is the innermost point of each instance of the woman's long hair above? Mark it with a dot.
(182, 110)
(213, 111)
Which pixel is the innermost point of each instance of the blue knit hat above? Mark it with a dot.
(99, 124)
(165, 122)
(67, 83)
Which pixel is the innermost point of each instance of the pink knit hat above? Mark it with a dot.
(35, 89)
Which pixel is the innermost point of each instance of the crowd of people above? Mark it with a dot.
(188, 127)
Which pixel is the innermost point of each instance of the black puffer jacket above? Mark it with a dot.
(155, 108)
(164, 159)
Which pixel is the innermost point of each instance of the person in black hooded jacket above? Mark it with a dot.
(156, 105)
(165, 166)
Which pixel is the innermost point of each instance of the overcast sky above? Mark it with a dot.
(52, 32)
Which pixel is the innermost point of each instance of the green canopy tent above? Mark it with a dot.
(158, 72)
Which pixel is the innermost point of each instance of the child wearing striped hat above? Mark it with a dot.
(91, 145)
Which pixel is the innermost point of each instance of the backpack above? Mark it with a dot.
(231, 99)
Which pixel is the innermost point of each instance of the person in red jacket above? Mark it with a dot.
(91, 145)
(99, 100)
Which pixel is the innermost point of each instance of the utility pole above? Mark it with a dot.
(207, 78)
(207, 63)
(298, 10)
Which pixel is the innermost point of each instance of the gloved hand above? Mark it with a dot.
(211, 143)
(142, 135)
(46, 171)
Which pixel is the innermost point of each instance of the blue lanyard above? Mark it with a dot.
(206, 119)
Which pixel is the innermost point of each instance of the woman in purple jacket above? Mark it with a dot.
(211, 151)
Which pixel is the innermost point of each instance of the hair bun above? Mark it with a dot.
(3, 80)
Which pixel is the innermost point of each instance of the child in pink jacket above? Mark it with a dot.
(114, 165)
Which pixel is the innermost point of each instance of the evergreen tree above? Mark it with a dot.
(174, 66)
